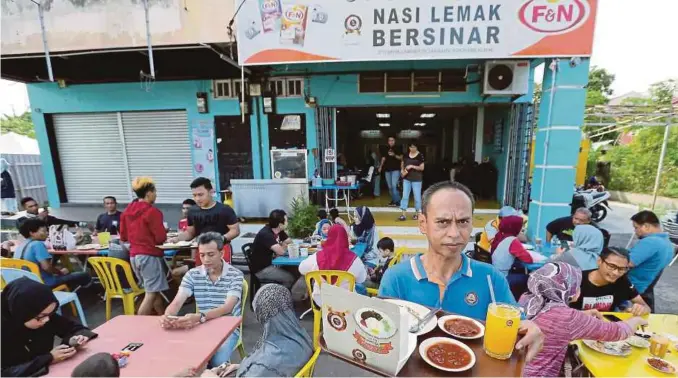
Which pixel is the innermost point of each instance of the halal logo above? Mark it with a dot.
(353, 24)
(554, 16)
(471, 298)
(509, 323)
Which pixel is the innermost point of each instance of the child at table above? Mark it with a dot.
(386, 246)
(550, 290)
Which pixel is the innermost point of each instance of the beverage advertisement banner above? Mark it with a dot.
(296, 31)
(202, 135)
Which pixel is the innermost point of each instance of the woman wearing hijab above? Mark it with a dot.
(29, 325)
(551, 289)
(284, 347)
(322, 228)
(335, 255)
(588, 243)
(8, 193)
(506, 248)
(365, 230)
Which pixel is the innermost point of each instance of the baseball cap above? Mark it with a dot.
(507, 211)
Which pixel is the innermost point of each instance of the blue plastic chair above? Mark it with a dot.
(64, 297)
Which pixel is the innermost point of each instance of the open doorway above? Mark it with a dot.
(234, 149)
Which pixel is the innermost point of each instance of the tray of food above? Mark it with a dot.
(661, 365)
(611, 348)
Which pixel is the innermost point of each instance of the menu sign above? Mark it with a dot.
(294, 31)
(368, 331)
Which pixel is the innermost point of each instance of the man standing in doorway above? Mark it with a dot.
(208, 216)
(110, 220)
(390, 165)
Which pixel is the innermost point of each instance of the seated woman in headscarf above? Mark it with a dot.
(588, 243)
(29, 325)
(365, 230)
(335, 255)
(284, 347)
(322, 228)
(506, 248)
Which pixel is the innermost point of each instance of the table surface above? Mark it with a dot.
(600, 364)
(485, 365)
(87, 252)
(358, 249)
(164, 353)
(547, 250)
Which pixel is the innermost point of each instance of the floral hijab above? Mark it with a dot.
(553, 285)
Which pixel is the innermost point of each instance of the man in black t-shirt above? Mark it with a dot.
(563, 227)
(390, 165)
(608, 287)
(110, 220)
(271, 241)
(210, 215)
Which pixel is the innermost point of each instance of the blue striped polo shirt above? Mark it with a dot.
(467, 292)
(210, 295)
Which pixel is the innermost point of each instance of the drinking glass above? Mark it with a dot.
(501, 330)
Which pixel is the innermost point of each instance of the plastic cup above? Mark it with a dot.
(501, 330)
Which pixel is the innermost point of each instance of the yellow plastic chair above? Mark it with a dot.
(33, 268)
(243, 301)
(307, 370)
(320, 277)
(106, 269)
(397, 257)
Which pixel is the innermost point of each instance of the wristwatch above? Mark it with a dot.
(203, 318)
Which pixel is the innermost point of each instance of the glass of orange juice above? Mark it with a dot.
(501, 330)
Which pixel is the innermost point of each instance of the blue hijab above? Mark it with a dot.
(319, 228)
(284, 347)
(588, 243)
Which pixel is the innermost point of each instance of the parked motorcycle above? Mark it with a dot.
(594, 200)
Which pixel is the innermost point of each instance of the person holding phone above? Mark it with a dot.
(608, 288)
(30, 324)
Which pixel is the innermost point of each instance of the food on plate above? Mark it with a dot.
(615, 348)
(638, 342)
(375, 323)
(661, 365)
(448, 355)
(462, 327)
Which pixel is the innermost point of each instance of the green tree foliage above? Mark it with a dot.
(600, 81)
(634, 166)
(20, 124)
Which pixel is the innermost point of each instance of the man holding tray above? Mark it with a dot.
(445, 277)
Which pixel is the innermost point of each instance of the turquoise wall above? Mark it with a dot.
(331, 84)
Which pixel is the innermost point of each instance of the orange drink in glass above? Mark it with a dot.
(501, 330)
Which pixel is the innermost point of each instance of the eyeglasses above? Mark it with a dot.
(41, 317)
(620, 269)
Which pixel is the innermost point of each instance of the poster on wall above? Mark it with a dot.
(295, 31)
(202, 138)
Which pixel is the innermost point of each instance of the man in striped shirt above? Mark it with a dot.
(217, 287)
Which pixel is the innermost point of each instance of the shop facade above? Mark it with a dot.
(95, 137)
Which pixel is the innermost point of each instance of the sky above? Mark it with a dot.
(632, 40)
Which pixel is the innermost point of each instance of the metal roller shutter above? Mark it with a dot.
(157, 145)
(91, 155)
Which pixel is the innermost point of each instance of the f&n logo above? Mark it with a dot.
(554, 16)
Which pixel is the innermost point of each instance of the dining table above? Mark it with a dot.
(162, 353)
(633, 365)
(547, 249)
(358, 249)
(485, 365)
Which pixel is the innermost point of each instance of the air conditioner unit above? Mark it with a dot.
(506, 77)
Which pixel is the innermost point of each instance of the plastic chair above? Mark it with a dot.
(400, 251)
(33, 268)
(254, 280)
(106, 269)
(333, 277)
(307, 370)
(64, 297)
(245, 290)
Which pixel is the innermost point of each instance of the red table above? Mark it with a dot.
(164, 353)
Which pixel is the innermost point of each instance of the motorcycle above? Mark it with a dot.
(594, 200)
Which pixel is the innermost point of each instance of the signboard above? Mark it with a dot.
(330, 157)
(202, 135)
(295, 31)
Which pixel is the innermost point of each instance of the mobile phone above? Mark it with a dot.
(564, 245)
(612, 318)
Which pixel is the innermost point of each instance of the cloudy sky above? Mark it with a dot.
(635, 40)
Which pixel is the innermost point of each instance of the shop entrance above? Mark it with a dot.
(234, 149)
(445, 135)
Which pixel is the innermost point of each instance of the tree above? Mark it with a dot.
(20, 124)
(663, 92)
(600, 81)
